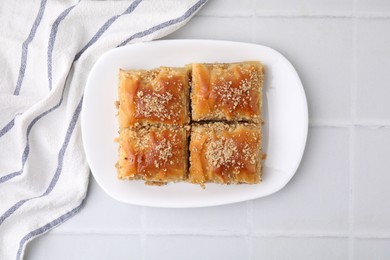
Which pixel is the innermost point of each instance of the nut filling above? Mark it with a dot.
(198, 124)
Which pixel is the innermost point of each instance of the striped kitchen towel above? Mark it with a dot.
(47, 49)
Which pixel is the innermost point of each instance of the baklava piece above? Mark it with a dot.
(153, 96)
(225, 153)
(156, 154)
(227, 91)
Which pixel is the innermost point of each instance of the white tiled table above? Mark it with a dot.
(338, 204)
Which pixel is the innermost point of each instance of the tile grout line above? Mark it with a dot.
(250, 204)
(228, 233)
(372, 235)
(351, 192)
(253, 22)
(353, 87)
(244, 233)
(319, 123)
(297, 14)
(250, 226)
(352, 134)
(143, 235)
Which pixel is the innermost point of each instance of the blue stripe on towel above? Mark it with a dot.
(52, 38)
(57, 174)
(8, 126)
(46, 228)
(105, 26)
(25, 44)
(27, 147)
(160, 26)
(53, 33)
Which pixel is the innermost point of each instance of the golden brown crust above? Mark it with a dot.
(153, 96)
(227, 91)
(154, 118)
(155, 154)
(225, 153)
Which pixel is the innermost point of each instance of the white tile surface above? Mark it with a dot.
(229, 218)
(300, 248)
(305, 7)
(101, 213)
(368, 249)
(372, 204)
(216, 28)
(196, 247)
(373, 63)
(81, 247)
(373, 6)
(228, 8)
(320, 50)
(316, 199)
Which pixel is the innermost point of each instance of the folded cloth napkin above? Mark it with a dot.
(47, 49)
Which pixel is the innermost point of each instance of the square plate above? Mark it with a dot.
(284, 130)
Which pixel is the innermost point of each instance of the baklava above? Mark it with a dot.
(225, 153)
(156, 154)
(197, 124)
(153, 96)
(227, 91)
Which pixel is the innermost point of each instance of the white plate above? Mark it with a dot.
(285, 114)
